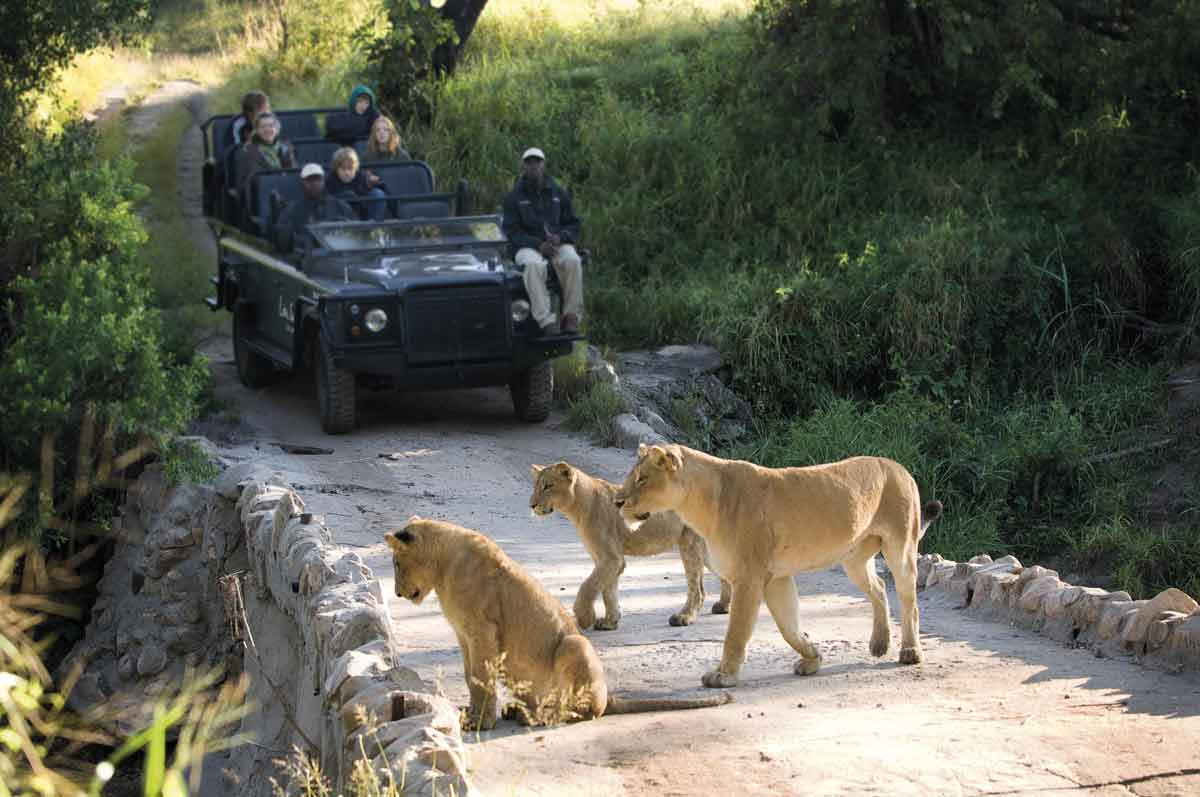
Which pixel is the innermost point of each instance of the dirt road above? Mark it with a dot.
(993, 710)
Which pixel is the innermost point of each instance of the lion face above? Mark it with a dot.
(412, 564)
(652, 485)
(551, 487)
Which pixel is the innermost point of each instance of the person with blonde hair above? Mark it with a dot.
(348, 182)
(384, 142)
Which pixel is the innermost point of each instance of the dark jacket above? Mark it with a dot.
(348, 126)
(254, 158)
(529, 214)
(359, 185)
(304, 211)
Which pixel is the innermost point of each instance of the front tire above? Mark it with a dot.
(533, 392)
(336, 392)
(254, 370)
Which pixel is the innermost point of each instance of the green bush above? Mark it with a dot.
(86, 337)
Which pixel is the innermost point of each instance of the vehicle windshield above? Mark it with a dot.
(356, 235)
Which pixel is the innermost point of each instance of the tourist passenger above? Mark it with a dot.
(265, 150)
(314, 206)
(384, 142)
(354, 124)
(540, 223)
(253, 103)
(348, 182)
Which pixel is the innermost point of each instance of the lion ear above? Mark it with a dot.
(563, 469)
(397, 539)
(537, 469)
(642, 449)
(672, 460)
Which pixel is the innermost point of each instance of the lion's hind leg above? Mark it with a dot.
(784, 603)
(860, 569)
(691, 551)
(901, 556)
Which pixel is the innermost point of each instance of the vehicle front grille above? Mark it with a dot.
(448, 324)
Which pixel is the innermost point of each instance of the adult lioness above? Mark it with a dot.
(503, 618)
(587, 501)
(764, 524)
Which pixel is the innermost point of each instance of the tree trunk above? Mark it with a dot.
(463, 14)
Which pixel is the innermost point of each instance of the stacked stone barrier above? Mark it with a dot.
(350, 695)
(236, 575)
(1162, 632)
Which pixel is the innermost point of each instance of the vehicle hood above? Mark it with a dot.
(396, 270)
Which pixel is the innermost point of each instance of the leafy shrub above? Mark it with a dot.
(86, 338)
(399, 51)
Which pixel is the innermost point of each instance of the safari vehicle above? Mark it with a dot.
(429, 299)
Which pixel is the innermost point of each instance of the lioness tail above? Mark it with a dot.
(929, 513)
(628, 705)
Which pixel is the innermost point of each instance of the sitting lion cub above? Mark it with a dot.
(505, 620)
(587, 501)
(764, 524)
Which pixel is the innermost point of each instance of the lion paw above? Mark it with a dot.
(474, 721)
(681, 619)
(807, 666)
(718, 680)
(605, 624)
(880, 645)
(910, 655)
(720, 608)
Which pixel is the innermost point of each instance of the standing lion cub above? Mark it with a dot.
(508, 626)
(587, 501)
(764, 524)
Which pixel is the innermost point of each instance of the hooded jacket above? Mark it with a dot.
(529, 213)
(349, 126)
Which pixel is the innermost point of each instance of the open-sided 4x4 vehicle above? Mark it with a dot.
(427, 299)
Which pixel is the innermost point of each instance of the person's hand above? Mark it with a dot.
(555, 239)
(547, 249)
(373, 178)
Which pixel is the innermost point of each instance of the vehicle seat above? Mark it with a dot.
(283, 182)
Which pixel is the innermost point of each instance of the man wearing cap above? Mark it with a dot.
(314, 206)
(541, 225)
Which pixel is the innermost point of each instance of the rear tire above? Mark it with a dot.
(336, 392)
(253, 369)
(533, 392)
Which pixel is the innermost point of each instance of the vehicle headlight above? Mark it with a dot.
(376, 319)
(520, 310)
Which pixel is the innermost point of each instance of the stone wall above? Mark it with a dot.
(236, 575)
(1162, 632)
(321, 628)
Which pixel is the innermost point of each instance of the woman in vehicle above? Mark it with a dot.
(266, 150)
(384, 142)
(349, 183)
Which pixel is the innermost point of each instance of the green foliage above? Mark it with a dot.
(399, 55)
(40, 37)
(186, 462)
(1029, 477)
(592, 412)
(86, 335)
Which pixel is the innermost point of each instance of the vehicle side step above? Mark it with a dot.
(277, 355)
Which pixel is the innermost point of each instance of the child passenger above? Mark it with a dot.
(346, 181)
(384, 143)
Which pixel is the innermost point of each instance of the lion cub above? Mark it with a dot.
(501, 615)
(587, 501)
